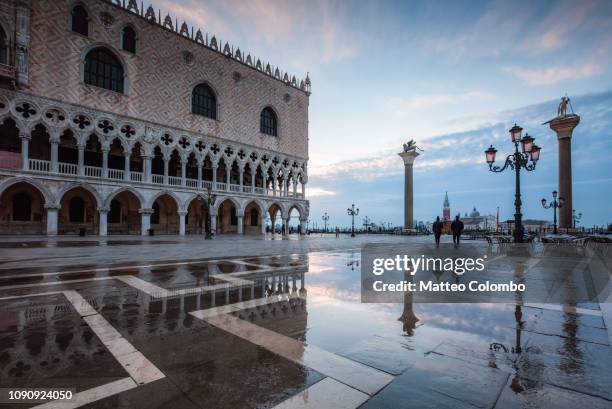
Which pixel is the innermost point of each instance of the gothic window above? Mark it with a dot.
(204, 102)
(128, 40)
(155, 215)
(22, 207)
(268, 123)
(76, 212)
(254, 217)
(103, 69)
(80, 19)
(114, 215)
(3, 47)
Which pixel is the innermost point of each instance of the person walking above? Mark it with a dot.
(337, 232)
(437, 230)
(457, 229)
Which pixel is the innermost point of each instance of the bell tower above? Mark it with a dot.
(446, 208)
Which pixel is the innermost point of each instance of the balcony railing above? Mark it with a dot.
(38, 165)
(115, 174)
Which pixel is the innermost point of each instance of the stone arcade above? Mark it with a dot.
(116, 120)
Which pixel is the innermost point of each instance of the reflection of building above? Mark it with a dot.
(116, 120)
(474, 221)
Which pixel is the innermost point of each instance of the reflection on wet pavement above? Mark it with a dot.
(273, 330)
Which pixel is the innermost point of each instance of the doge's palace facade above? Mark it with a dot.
(118, 119)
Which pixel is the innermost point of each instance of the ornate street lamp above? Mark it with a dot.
(210, 201)
(526, 159)
(352, 212)
(325, 219)
(576, 217)
(366, 223)
(555, 204)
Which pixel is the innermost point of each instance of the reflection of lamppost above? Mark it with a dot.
(575, 217)
(325, 219)
(352, 212)
(516, 161)
(210, 201)
(555, 204)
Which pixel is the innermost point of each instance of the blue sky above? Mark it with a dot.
(452, 75)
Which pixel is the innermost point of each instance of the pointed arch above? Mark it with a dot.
(86, 186)
(141, 199)
(47, 195)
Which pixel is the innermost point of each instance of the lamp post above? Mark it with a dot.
(517, 161)
(366, 223)
(210, 201)
(555, 204)
(575, 217)
(325, 220)
(352, 211)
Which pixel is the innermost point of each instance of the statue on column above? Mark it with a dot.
(562, 108)
(411, 146)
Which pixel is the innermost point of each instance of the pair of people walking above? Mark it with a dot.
(456, 229)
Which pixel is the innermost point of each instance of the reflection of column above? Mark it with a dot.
(81, 160)
(25, 156)
(564, 127)
(103, 221)
(182, 214)
(145, 221)
(52, 212)
(408, 158)
(240, 225)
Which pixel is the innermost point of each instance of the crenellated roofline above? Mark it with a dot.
(211, 43)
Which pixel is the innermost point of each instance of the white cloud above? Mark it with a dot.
(318, 192)
(424, 101)
(552, 75)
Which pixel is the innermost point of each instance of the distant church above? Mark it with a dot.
(473, 221)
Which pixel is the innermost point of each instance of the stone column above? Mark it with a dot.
(183, 171)
(302, 226)
(286, 226)
(253, 174)
(200, 164)
(273, 185)
(408, 158)
(240, 224)
(215, 167)
(213, 222)
(126, 165)
(105, 151)
(25, 154)
(564, 126)
(294, 189)
(54, 156)
(52, 216)
(166, 165)
(145, 221)
(103, 228)
(263, 225)
(81, 160)
(228, 171)
(241, 180)
(182, 214)
(147, 169)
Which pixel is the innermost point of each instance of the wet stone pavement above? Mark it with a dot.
(285, 331)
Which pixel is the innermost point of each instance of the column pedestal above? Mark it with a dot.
(52, 216)
(564, 127)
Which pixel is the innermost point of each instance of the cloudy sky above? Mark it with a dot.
(452, 75)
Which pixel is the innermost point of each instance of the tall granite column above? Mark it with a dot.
(408, 158)
(564, 126)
